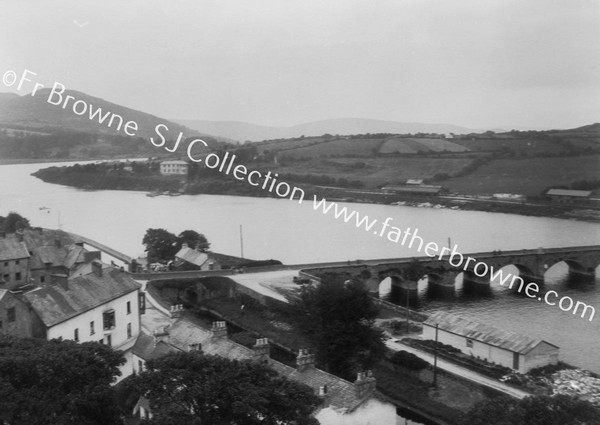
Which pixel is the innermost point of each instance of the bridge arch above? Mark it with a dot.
(569, 271)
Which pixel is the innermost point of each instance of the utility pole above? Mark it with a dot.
(435, 349)
(241, 241)
(407, 311)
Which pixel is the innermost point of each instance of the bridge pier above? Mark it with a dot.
(476, 285)
(442, 285)
(404, 292)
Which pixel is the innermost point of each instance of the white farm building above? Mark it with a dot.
(510, 349)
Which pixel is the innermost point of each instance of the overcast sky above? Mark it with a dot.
(480, 64)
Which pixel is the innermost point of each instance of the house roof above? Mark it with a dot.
(12, 249)
(414, 189)
(566, 192)
(192, 256)
(510, 341)
(55, 304)
(174, 162)
(146, 348)
(183, 333)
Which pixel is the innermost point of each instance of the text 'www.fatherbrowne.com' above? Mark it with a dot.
(410, 238)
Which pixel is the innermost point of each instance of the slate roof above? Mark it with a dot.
(566, 192)
(511, 341)
(182, 333)
(340, 393)
(192, 256)
(12, 249)
(54, 304)
(146, 349)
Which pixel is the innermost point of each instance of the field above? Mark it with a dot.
(375, 172)
(408, 145)
(336, 147)
(521, 146)
(528, 176)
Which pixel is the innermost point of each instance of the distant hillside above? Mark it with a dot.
(32, 128)
(343, 126)
(34, 112)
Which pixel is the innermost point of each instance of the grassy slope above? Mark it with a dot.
(528, 176)
(378, 171)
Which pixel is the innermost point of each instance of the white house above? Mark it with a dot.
(101, 306)
(510, 349)
(174, 167)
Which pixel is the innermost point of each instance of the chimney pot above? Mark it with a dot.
(304, 360)
(97, 268)
(219, 329)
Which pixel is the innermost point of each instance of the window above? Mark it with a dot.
(140, 365)
(42, 279)
(17, 262)
(18, 276)
(6, 264)
(128, 307)
(7, 277)
(11, 314)
(92, 330)
(0, 324)
(469, 343)
(76, 334)
(109, 340)
(108, 320)
(128, 330)
(142, 303)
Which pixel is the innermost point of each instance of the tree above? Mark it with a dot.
(57, 382)
(193, 239)
(541, 410)
(193, 388)
(338, 318)
(13, 222)
(160, 244)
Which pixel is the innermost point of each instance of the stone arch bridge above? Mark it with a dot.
(477, 268)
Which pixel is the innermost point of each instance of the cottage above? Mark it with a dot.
(516, 351)
(192, 259)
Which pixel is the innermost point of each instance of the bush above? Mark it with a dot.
(408, 360)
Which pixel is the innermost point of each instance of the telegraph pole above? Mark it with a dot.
(241, 241)
(435, 349)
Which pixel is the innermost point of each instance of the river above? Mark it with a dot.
(295, 233)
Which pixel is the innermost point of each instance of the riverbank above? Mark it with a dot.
(100, 177)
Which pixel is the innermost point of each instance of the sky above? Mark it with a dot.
(479, 64)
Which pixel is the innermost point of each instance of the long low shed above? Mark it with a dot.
(510, 349)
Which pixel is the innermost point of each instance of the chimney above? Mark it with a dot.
(219, 330)
(90, 256)
(19, 234)
(304, 360)
(364, 385)
(176, 310)
(262, 350)
(97, 268)
(60, 279)
(160, 334)
(184, 245)
(195, 347)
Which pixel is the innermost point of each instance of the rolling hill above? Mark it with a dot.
(344, 126)
(34, 112)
